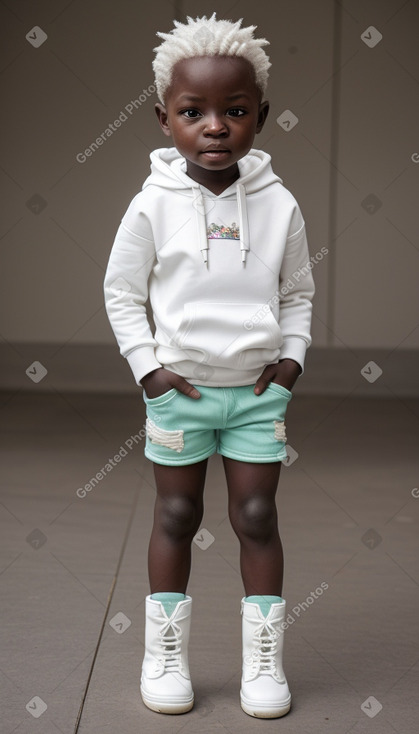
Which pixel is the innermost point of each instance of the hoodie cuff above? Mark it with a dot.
(294, 348)
(142, 361)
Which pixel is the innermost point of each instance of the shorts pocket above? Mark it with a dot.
(166, 397)
(280, 389)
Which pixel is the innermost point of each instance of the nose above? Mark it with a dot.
(215, 125)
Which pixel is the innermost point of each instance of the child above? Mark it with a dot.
(218, 246)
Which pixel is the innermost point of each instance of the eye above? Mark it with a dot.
(236, 112)
(190, 113)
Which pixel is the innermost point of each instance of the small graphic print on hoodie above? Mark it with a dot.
(221, 232)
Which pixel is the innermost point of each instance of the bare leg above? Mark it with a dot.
(253, 515)
(177, 516)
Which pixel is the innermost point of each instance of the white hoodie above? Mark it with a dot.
(227, 276)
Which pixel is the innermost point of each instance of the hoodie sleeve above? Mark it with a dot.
(126, 290)
(296, 289)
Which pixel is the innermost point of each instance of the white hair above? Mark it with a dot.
(208, 37)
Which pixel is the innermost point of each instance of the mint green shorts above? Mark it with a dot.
(231, 421)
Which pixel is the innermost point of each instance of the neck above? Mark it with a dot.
(215, 181)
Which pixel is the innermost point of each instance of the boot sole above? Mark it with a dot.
(164, 707)
(261, 713)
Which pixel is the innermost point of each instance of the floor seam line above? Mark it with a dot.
(105, 616)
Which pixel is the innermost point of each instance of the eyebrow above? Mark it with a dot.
(196, 98)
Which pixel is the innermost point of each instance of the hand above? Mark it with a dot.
(159, 381)
(284, 372)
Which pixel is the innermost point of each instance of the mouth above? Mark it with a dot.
(215, 153)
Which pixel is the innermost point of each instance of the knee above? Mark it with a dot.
(255, 519)
(179, 517)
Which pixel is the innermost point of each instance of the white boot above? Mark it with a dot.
(264, 688)
(165, 680)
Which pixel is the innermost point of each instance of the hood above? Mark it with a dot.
(168, 171)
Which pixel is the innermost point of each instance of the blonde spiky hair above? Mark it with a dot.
(208, 37)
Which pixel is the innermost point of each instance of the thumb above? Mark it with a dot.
(264, 379)
(186, 388)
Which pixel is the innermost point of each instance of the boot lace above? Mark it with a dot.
(263, 659)
(170, 643)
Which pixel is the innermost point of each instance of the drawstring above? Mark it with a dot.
(243, 221)
(201, 224)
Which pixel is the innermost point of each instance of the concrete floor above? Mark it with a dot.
(73, 571)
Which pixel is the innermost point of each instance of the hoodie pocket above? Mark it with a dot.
(240, 335)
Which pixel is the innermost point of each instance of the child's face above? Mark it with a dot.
(212, 111)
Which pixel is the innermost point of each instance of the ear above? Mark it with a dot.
(263, 113)
(162, 118)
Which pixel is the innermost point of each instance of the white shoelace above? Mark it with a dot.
(171, 647)
(263, 657)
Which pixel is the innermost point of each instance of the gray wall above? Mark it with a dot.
(350, 161)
